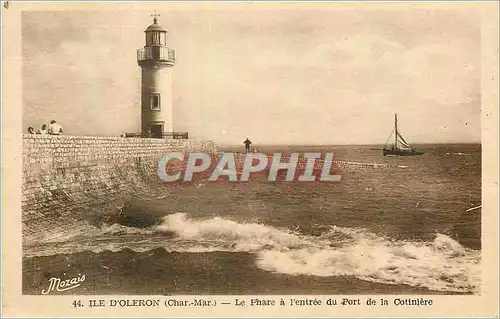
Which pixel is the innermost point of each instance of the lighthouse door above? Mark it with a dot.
(157, 130)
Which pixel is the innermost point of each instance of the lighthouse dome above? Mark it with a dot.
(155, 27)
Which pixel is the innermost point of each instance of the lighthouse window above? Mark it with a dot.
(155, 101)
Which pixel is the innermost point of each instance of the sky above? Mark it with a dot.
(277, 76)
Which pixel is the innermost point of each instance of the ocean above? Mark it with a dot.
(404, 228)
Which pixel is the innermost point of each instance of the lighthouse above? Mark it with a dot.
(156, 60)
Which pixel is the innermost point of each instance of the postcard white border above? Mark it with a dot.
(15, 304)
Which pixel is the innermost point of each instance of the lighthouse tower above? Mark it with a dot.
(156, 61)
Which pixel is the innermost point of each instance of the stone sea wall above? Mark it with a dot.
(71, 179)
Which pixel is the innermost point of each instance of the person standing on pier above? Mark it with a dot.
(247, 143)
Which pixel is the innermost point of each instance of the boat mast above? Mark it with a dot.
(395, 131)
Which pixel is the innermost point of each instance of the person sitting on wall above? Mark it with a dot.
(43, 131)
(31, 130)
(54, 128)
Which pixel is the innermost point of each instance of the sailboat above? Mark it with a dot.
(400, 147)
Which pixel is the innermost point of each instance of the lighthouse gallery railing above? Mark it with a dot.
(156, 53)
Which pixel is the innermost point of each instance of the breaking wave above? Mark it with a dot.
(442, 264)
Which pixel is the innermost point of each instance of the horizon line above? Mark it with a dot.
(354, 144)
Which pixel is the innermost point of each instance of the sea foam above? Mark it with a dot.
(442, 264)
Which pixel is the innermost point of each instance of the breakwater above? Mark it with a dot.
(302, 162)
(74, 181)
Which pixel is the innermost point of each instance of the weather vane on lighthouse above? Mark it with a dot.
(155, 16)
(156, 61)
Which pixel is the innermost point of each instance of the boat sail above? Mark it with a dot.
(401, 147)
